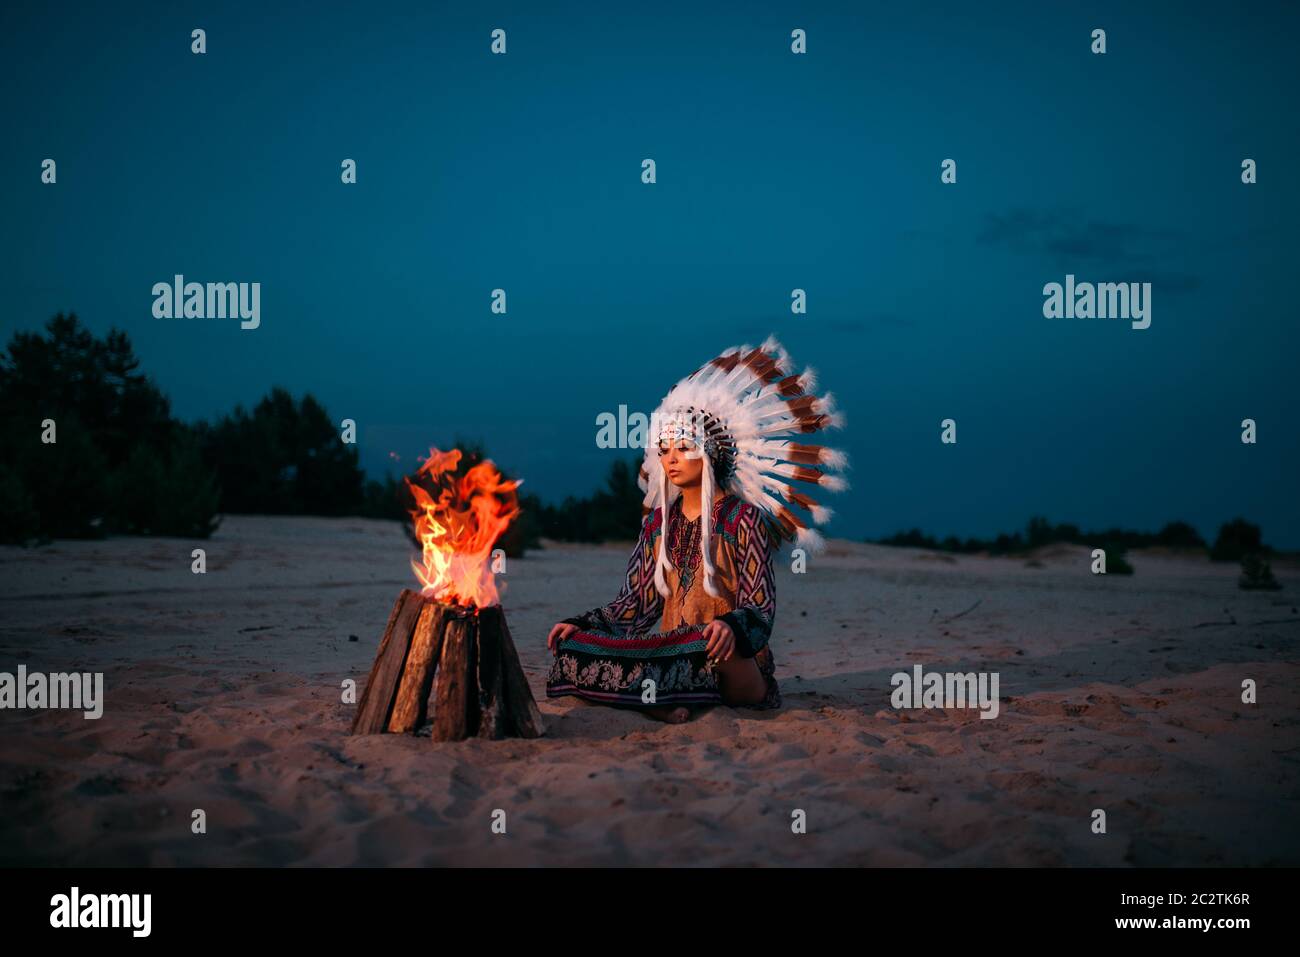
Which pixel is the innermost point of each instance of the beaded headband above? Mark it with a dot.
(705, 431)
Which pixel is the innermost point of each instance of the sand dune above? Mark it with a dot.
(223, 693)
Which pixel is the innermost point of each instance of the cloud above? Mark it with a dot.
(1122, 251)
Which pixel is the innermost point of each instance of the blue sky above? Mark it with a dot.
(775, 171)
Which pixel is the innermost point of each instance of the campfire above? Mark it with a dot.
(446, 655)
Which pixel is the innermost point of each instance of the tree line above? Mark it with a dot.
(1235, 539)
(110, 458)
(89, 447)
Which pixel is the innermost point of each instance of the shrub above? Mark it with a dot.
(1236, 539)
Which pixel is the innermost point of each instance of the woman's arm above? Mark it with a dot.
(751, 620)
(639, 605)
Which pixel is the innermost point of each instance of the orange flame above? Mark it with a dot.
(457, 526)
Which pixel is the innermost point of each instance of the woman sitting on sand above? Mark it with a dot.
(692, 623)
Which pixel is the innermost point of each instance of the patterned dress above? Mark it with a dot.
(640, 635)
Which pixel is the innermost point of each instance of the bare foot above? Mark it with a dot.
(677, 715)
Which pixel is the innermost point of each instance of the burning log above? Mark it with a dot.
(381, 688)
(452, 665)
(411, 704)
(447, 655)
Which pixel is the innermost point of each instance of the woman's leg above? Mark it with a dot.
(740, 681)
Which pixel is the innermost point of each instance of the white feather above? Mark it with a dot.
(810, 540)
(834, 459)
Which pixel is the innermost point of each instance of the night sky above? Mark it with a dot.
(775, 171)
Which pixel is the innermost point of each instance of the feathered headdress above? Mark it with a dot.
(742, 410)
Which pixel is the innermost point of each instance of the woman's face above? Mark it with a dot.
(683, 471)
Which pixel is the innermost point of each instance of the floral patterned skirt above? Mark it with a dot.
(646, 671)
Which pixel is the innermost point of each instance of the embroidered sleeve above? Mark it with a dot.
(755, 610)
(639, 605)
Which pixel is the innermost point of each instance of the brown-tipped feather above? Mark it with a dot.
(802, 405)
(764, 366)
(799, 498)
(803, 454)
(790, 385)
(727, 362)
(805, 474)
(813, 423)
(788, 516)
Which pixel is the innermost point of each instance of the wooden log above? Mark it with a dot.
(494, 720)
(455, 695)
(410, 706)
(525, 717)
(381, 687)
(458, 666)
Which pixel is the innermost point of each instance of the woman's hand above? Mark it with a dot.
(559, 631)
(721, 640)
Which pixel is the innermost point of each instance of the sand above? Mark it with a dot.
(223, 693)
